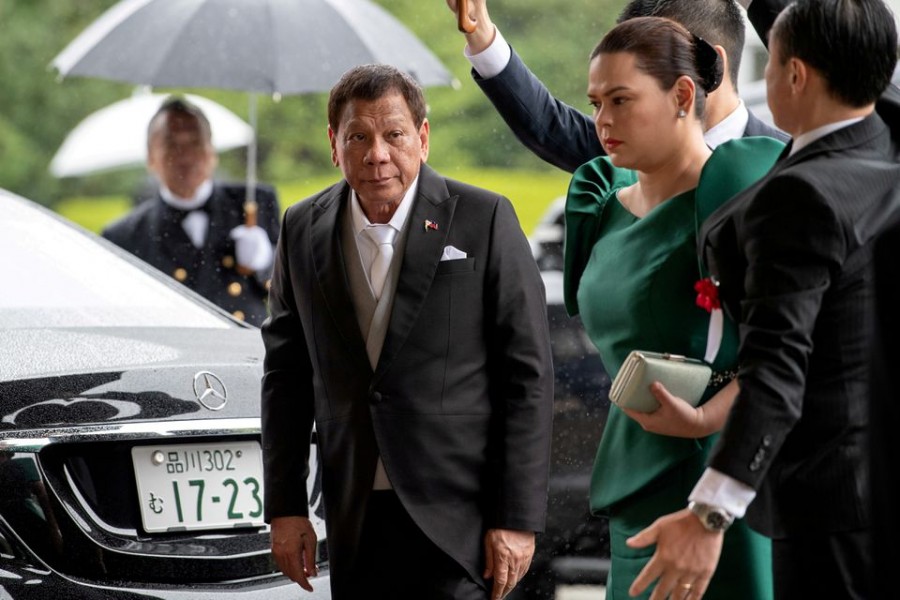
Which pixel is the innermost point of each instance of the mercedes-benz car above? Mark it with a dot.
(130, 462)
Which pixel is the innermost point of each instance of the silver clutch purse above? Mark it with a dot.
(684, 377)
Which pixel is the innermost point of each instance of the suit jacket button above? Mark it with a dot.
(376, 397)
(755, 465)
(767, 440)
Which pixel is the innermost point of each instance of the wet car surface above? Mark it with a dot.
(574, 549)
(129, 429)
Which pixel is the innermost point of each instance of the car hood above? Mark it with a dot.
(110, 375)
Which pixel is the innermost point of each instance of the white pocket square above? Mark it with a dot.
(451, 253)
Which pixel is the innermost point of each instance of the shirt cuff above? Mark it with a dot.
(720, 490)
(491, 61)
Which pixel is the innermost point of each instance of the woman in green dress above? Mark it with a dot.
(630, 271)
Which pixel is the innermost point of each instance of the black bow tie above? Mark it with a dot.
(178, 215)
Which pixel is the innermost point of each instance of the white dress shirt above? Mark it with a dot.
(731, 127)
(368, 250)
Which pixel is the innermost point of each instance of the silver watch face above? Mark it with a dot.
(716, 520)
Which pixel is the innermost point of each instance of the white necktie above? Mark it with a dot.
(383, 236)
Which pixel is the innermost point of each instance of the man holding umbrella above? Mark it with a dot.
(194, 229)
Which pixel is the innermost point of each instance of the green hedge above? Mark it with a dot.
(530, 193)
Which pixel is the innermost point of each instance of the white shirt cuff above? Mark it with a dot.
(491, 61)
(720, 490)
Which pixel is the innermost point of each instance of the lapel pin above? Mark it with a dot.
(430, 225)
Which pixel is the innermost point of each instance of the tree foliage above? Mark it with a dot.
(37, 111)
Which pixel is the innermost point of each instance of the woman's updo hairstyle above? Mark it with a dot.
(666, 50)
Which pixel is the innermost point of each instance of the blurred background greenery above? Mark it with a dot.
(469, 141)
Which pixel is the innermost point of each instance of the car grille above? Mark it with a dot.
(75, 506)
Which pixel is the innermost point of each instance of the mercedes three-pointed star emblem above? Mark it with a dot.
(210, 390)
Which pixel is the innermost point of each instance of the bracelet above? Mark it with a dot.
(721, 378)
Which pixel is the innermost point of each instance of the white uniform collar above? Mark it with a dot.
(201, 196)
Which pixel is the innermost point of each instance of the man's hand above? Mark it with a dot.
(483, 35)
(509, 554)
(294, 549)
(685, 559)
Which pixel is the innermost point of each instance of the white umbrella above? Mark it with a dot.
(116, 136)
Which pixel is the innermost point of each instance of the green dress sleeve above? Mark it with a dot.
(592, 184)
(732, 168)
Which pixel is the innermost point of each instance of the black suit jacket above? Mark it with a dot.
(793, 255)
(556, 132)
(460, 403)
(153, 233)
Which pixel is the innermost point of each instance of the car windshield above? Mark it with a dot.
(56, 276)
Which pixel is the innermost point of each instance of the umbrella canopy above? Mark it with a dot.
(116, 136)
(269, 46)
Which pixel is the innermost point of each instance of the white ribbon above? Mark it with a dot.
(714, 334)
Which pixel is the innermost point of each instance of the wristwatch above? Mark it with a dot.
(712, 517)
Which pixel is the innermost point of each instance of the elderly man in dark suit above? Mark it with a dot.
(793, 255)
(566, 137)
(408, 323)
(195, 229)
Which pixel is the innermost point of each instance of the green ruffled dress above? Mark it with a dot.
(632, 281)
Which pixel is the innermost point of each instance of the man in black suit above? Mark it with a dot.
(408, 322)
(566, 137)
(793, 257)
(885, 412)
(194, 229)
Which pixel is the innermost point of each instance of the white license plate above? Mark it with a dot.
(199, 486)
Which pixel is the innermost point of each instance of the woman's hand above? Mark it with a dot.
(677, 418)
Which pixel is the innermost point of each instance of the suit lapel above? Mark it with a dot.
(424, 247)
(328, 260)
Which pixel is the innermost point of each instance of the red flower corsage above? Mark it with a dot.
(707, 294)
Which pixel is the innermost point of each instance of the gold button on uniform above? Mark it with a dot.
(234, 289)
(179, 274)
(228, 261)
(238, 314)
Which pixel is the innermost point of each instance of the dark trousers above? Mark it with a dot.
(397, 561)
(834, 566)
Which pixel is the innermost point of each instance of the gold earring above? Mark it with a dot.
(681, 113)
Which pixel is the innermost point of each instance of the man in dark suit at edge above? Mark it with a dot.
(408, 321)
(793, 255)
(566, 137)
